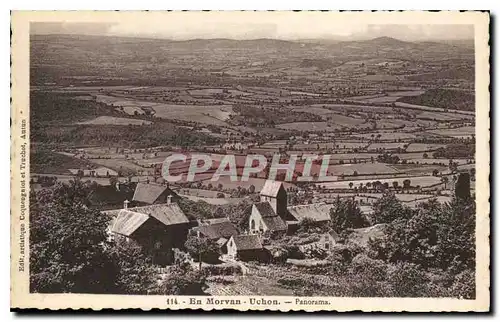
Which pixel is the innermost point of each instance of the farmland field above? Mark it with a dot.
(360, 168)
(425, 181)
(105, 120)
(309, 126)
(441, 116)
(355, 107)
(457, 132)
(421, 147)
(387, 136)
(202, 114)
(386, 146)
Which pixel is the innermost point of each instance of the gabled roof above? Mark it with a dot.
(271, 188)
(148, 192)
(315, 211)
(212, 221)
(110, 195)
(247, 242)
(128, 222)
(269, 217)
(274, 223)
(334, 235)
(221, 241)
(216, 231)
(168, 214)
(265, 209)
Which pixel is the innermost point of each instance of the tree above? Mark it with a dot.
(388, 208)
(444, 180)
(425, 155)
(136, 272)
(395, 184)
(456, 249)
(68, 243)
(350, 185)
(113, 181)
(251, 189)
(202, 248)
(406, 184)
(462, 187)
(183, 280)
(346, 214)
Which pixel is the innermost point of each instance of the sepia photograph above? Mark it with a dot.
(245, 159)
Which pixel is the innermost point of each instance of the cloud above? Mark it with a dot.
(251, 25)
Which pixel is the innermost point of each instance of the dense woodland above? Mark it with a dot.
(50, 110)
(443, 98)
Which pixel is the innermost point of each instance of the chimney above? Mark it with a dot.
(169, 199)
(125, 204)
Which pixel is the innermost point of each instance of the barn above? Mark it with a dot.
(246, 248)
(156, 228)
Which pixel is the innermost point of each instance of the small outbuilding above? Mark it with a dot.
(246, 248)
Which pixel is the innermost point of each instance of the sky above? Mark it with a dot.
(250, 25)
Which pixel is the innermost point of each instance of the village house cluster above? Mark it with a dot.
(154, 220)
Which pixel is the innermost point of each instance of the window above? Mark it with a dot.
(327, 245)
(252, 225)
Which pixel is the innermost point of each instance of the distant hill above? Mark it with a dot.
(56, 56)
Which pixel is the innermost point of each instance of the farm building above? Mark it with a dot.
(272, 214)
(326, 242)
(156, 228)
(151, 193)
(361, 236)
(246, 248)
(101, 172)
(319, 212)
(216, 231)
(274, 193)
(112, 196)
(211, 221)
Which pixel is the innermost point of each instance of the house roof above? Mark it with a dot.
(128, 222)
(218, 230)
(269, 217)
(334, 235)
(265, 209)
(315, 211)
(247, 242)
(148, 192)
(365, 209)
(110, 195)
(212, 221)
(221, 241)
(274, 223)
(271, 188)
(103, 171)
(168, 214)
(361, 236)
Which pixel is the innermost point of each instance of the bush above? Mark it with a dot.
(183, 281)
(226, 269)
(464, 285)
(294, 251)
(408, 280)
